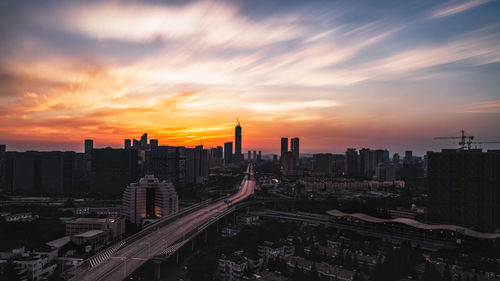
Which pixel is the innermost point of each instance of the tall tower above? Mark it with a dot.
(295, 151)
(237, 139)
(284, 147)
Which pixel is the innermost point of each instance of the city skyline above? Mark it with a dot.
(336, 75)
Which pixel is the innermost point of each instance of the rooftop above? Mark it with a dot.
(90, 233)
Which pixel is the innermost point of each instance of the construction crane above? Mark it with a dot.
(465, 141)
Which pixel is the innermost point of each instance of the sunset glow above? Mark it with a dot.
(328, 72)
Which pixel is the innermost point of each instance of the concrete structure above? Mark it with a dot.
(113, 169)
(284, 148)
(149, 198)
(294, 147)
(95, 238)
(228, 153)
(323, 164)
(464, 188)
(351, 163)
(114, 227)
(231, 269)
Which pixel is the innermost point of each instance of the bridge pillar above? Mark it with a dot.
(157, 269)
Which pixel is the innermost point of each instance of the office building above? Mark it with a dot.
(144, 141)
(114, 227)
(323, 164)
(385, 171)
(295, 151)
(259, 156)
(114, 169)
(149, 198)
(128, 144)
(408, 157)
(249, 155)
(153, 143)
(237, 143)
(3, 165)
(338, 164)
(284, 147)
(395, 159)
(287, 164)
(254, 155)
(168, 163)
(228, 153)
(351, 163)
(89, 145)
(464, 188)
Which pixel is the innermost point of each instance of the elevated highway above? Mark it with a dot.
(120, 260)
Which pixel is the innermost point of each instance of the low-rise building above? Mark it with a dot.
(231, 268)
(115, 227)
(19, 217)
(95, 238)
(269, 251)
(34, 266)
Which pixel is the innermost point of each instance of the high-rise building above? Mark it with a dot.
(228, 153)
(259, 156)
(287, 162)
(395, 159)
(323, 164)
(153, 143)
(295, 151)
(338, 164)
(89, 145)
(113, 169)
(168, 163)
(464, 188)
(144, 141)
(284, 147)
(351, 163)
(237, 139)
(385, 171)
(3, 165)
(249, 155)
(254, 155)
(408, 157)
(149, 198)
(128, 144)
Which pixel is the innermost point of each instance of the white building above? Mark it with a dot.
(149, 198)
(36, 266)
(231, 269)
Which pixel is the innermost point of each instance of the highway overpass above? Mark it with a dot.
(160, 239)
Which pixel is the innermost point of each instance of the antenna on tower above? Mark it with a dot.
(237, 120)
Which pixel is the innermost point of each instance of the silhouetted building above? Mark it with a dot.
(386, 157)
(89, 145)
(153, 143)
(217, 152)
(351, 163)
(49, 172)
(128, 144)
(149, 198)
(259, 156)
(287, 162)
(254, 158)
(385, 171)
(249, 155)
(216, 158)
(464, 188)
(395, 159)
(168, 163)
(408, 157)
(323, 164)
(238, 156)
(295, 151)
(3, 163)
(284, 148)
(338, 164)
(228, 153)
(114, 169)
(275, 158)
(144, 141)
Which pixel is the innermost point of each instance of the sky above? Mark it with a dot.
(336, 74)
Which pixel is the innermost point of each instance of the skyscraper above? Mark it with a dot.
(237, 139)
(144, 141)
(89, 145)
(249, 155)
(351, 162)
(128, 144)
(284, 147)
(295, 151)
(149, 198)
(464, 188)
(228, 153)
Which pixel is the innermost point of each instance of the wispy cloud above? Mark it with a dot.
(491, 106)
(453, 8)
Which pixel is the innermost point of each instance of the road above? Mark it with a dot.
(130, 258)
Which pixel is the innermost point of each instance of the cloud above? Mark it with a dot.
(452, 9)
(491, 106)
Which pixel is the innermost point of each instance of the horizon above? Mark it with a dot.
(336, 75)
